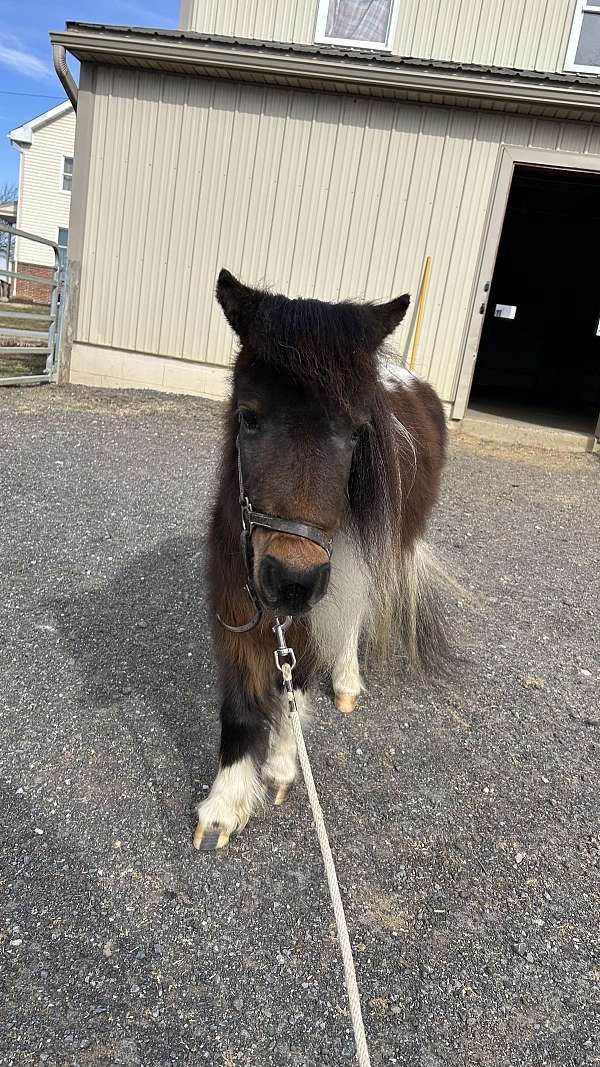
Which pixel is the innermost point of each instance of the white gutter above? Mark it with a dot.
(147, 51)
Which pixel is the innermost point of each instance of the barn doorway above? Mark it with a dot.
(539, 355)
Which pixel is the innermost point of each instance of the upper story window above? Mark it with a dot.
(357, 23)
(67, 174)
(583, 53)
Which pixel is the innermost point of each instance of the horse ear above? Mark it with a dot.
(238, 301)
(390, 315)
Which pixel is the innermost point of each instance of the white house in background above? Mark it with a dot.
(46, 146)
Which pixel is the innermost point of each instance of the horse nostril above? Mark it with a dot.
(292, 588)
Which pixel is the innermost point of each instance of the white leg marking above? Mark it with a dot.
(234, 794)
(346, 672)
(280, 768)
(337, 621)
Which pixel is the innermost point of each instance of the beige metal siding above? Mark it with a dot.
(43, 204)
(527, 34)
(314, 194)
(267, 20)
(515, 33)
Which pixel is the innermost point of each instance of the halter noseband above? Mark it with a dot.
(252, 518)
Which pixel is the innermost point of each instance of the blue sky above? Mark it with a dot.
(28, 83)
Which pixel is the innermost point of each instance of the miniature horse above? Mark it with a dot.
(341, 452)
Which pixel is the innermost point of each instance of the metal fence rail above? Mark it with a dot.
(55, 285)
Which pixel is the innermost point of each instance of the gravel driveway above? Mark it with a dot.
(464, 820)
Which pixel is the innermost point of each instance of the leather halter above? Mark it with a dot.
(252, 518)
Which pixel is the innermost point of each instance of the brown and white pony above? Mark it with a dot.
(327, 433)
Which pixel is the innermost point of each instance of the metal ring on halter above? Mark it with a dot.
(246, 626)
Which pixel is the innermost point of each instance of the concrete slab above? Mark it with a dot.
(504, 429)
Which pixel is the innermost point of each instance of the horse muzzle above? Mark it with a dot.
(288, 590)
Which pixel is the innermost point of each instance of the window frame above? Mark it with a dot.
(582, 8)
(62, 260)
(62, 174)
(345, 42)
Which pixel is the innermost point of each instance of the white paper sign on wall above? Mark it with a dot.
(505, 311)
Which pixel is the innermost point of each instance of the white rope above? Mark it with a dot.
(334, 889)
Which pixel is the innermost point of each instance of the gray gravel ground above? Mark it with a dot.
(464, 821)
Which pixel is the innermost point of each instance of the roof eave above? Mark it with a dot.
(20, 136)
(24, 134)
(339, 71)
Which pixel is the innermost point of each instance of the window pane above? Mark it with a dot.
(588, 49)
(359, 20)
(67, 173)
(63, 238)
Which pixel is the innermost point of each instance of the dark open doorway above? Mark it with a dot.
(541, 363)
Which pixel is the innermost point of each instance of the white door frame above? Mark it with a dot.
(509, 157)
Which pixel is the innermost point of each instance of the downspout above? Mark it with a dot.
(59, 56)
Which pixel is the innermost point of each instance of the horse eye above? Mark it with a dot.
(249, 420)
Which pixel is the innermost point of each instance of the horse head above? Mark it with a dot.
(306, 391)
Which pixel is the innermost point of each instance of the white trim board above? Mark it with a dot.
(22, 134)
(581, 9)
(351, 42)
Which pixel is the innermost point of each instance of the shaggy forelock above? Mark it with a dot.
(331, 346)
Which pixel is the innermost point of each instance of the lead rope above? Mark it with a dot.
(286, 661)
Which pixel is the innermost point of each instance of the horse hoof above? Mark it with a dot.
(209, 837)
(278, 792)
(345, 702)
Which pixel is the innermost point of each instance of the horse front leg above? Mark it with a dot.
(279, 771)
(345, 676)
(337, 622)
(238, 788)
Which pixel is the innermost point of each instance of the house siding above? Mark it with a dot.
(312, 194)
(513, 33)
(43, 205)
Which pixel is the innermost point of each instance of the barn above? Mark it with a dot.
(332, 148)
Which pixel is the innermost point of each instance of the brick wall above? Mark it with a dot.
(29, 291)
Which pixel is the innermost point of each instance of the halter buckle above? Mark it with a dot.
(246, 509)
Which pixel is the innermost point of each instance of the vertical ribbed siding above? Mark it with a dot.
(314, 194)
(440, 359)
(264, 20)
(317, 199)
(509, 33)
(207, 216)
(192, 163)
(85, 326)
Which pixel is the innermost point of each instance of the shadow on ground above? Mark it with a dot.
(144, 639)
